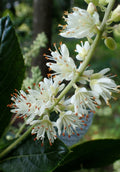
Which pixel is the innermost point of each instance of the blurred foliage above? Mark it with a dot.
(33, 81)
(33, 50)
(21, 15)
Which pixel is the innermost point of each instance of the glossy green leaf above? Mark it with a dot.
(91, 154)
(31, 157)
(11, 68)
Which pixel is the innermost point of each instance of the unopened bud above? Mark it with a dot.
(116, 32)
(110, 43)
(91, 8)
(116, 14)
(95, 2)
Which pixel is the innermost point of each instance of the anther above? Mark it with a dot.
(69, 136)
(76, 114)
(63, 134)
(35, 138)
(85, 124)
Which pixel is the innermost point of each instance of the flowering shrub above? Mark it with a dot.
(90, 89)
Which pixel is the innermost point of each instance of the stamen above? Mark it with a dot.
(24, 97)
(85, 124)
(46, 57)
(50, 143)
(26, 91)
(108, 103)
(60, 43)
(66, 13)
(63, 134)
(42, 144)
(35, 138)
(98, 107)
(32, 133)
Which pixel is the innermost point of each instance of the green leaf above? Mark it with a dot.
(30, 156)
(11, 68)
(92, 154)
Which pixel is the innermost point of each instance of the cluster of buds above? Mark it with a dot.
(89, 87)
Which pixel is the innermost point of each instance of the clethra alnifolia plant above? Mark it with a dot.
(91, 88)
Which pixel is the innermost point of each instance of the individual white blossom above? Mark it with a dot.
(83, 101)
(103, 85)
(80, 24)
(64, 67)
(68, 122)
(82, 50)
(24, 105)
(44, 126)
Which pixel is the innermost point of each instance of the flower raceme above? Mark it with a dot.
(80, 24)
(36, 105)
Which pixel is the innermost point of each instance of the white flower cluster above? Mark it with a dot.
(35, 106)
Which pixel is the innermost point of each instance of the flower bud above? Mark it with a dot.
(116, 14)
(95, 2)
(116, 32)
(91, 8)
(110, 43)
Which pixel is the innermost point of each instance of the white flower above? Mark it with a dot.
(35, 102)
(44, 126)
(103, 85)
(64, 67)
(83, 101)
(80, 24)
(24, 105)
(68, 122)
(82, 50)
(115, 16)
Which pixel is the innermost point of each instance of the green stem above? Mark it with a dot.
(20, 130)
(69, 86)
(15, 143)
